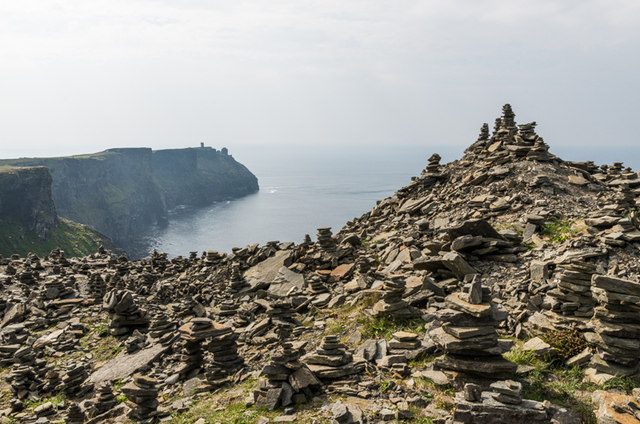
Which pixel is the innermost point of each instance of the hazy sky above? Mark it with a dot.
(80, 76)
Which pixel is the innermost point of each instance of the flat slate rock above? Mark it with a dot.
(124, 365)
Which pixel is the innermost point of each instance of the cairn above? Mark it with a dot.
(162, 328)
(617, 326)
(468, 335)
(224, 350)
(325, 239)
(237, 283)
(97, 287)
(331, 361)
(316, 285)
(124, 313)
(73, 378)
(402, 347)
(501, 404)
(105, 400)
(193, 334)
(288, 381)
(572, 296)
(142, 396)
(433, 166)
(392, 303)
(74, 414)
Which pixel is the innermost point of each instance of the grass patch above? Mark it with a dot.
(234, 413)
(558, 230)
(567, 343)
(384, 327)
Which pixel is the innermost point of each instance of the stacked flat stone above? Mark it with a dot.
(162, 328)
(97, 287)
(237, 284)
(124, 314)
(282, 316)
(573, 292)
(288, 380)
(24, 376)
(617, 326)
(226, 360)
(332, 361)
(74, 414)
(53, 381)
(392, 303)
(434, 163)
(316, 285)
(74, 376)
(213, 258)
(502, 404)
(134, 342)
(55, 289)
(325, 239)
(468, 335)
(227, 308)
(484, 132)
(194, 333)
(106, 400)
(400, 348)
(13, 337)
(142, 396)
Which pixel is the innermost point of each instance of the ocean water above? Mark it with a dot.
(300, 190)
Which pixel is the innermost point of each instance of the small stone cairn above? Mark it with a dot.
(142, 396)
(194, 333)
(617, 325)
(325, 239)
(287, 380)
(224, 350)
(392, 304)
(433, 165)
(162, 328)
(237, 283)
(97, 287)
(573, 292)
(468, 335)
(502, 404)
(332, 361)
(74, 414)
(124, 314)
(106, 400)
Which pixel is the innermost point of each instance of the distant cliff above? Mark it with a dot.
(28, 218)
(200, 176)
(123, 192)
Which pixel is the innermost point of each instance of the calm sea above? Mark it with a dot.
(300, 190)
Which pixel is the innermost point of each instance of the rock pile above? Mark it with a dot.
(124, 314)
(502, 404)
(331, 361)
(142, 396)
(194, 333)
(74, 414)
(617, 325)
(325, 240)
(288, 381)
(434, 163)
(105, 399)
(224, 350)
(392, 303)
(468, 335)
(573, 292)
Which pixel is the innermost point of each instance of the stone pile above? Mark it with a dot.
(74, 414)
(332, 361)
(224, 350)
(325, 240)
(97, 287)
(105, 399)
(316, 285)
(162, 328)
(194, 333)
(213, 258)
(287, 380)
(282, 316)
(237, 282)
(572, 296)
(73, 378)
(124, 314)
(142, 396)
(55, 289)
(402, 346)
(392, 304)
(433, 165)
(227, 308)
(468, 335)
(12, 338)
(617, 326)
(503, 404)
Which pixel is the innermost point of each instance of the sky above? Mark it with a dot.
(80, 76)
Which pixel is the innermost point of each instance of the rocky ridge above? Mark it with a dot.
(477, 293)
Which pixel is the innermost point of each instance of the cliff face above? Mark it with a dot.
(200, 176)
(28, 218)
(25, 199)
(123, 192)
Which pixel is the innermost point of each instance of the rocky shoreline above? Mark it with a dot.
(498, 288)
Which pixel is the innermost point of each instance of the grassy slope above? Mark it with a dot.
(75, 239)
